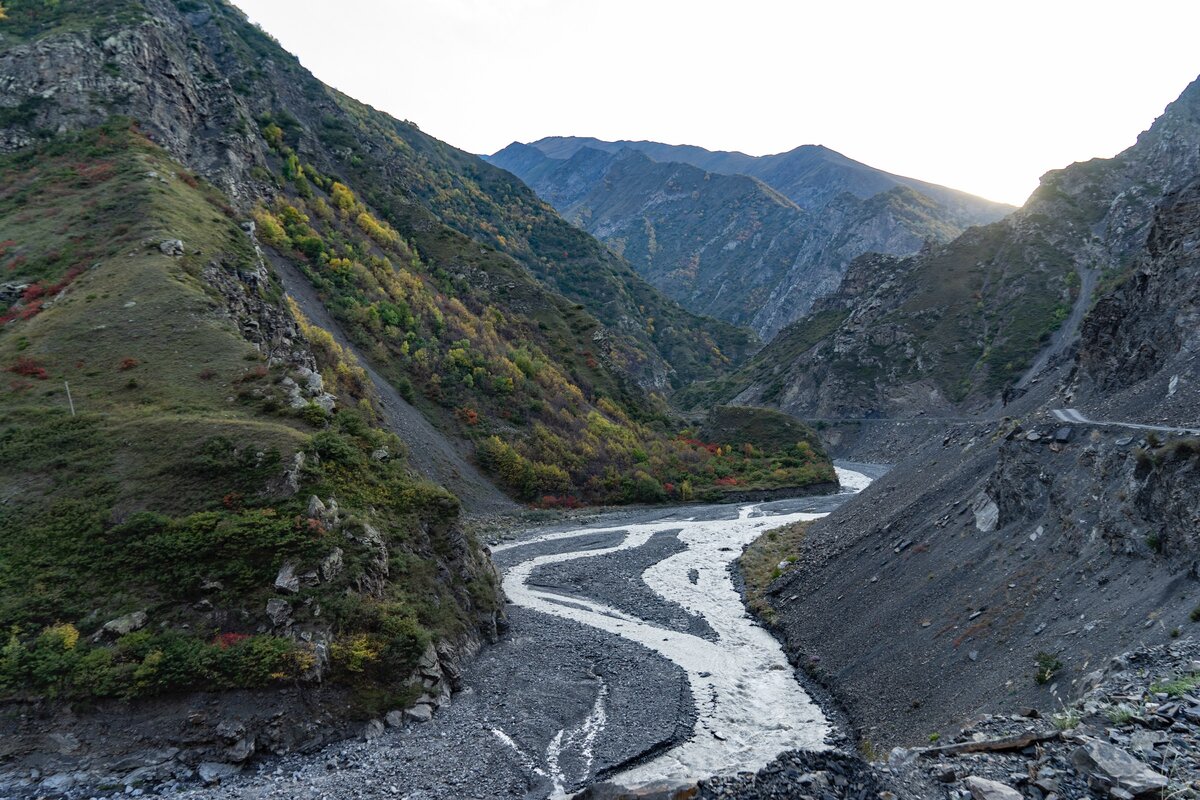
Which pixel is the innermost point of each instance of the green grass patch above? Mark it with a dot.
(760, 563)
(1177, 687)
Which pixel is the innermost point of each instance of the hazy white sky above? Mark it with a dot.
(981, 96)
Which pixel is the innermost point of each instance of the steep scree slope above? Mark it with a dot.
(1004, 562)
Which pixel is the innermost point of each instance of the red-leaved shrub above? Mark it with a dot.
(228, 640)
(29, 368)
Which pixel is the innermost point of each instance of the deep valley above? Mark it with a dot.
(338, 462)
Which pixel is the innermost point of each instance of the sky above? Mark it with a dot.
(980, 95)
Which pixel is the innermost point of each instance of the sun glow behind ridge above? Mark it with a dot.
(983, 97)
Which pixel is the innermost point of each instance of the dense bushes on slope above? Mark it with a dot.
(150, 515)
(523, 379)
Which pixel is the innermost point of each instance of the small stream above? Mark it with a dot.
(748, 705)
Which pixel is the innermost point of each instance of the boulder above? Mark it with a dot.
(215, 771)
(280, 612)
(289, 483)
(11, 292)
(421, 712)
(1112, 765)
(373, 730)
(287, 580)
(983, 789)
(1090, 681)
(231, 730)
(987, 513)
(241, 750)
(154, 773)
(1064, 434)
(394, 719)
(429, 660)
(171, 247)
(316, 509)
(331, 567)
(1144, 742)
(312, 380)
(127, 624)
(59, 783)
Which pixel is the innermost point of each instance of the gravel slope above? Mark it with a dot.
(430, 452)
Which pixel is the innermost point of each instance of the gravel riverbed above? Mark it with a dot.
(628, 655)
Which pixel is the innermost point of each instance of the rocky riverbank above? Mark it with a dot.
(1134, 733)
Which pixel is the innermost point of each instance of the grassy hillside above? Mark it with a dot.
(507, 326)
(167, 491)
(232, 73)
(406, 176)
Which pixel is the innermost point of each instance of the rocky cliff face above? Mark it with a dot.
(137, 60)
(720, 245)
(1146, 328)
(727, 244)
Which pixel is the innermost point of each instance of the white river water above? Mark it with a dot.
(749, 706)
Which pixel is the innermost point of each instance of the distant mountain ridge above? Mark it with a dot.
(753, 241)
(810, 175)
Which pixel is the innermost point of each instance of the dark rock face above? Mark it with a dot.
(1154, 315)
(150, 79)
(188, 738)
(1000, 544)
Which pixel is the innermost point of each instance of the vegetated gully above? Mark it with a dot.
(662, 580)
